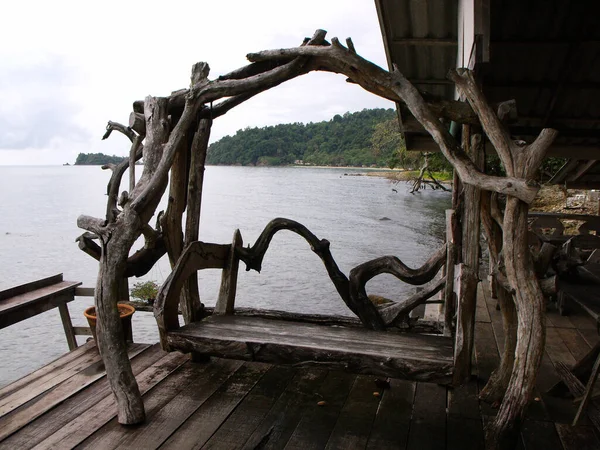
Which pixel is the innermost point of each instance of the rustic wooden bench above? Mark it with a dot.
(27, 300)
(294, 342)
(357, 350)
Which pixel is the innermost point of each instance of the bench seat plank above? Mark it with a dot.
(357, 350)
(37, 301)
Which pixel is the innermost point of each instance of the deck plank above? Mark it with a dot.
(187, 386)
(392, 423)
(481, 311)
(23, 415)
(576, 344)
(487, 359)
(540, 435)
(353, 426)
(60, 416)
(55, 367)
(248, 415)
(200, 413)
(316, 425)
(557, 349)
(428, 424)
(49, 380)
(279, 424)
(80, 428)
(577, 438)
(464, 434)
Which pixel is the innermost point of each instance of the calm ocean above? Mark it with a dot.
(39, 207)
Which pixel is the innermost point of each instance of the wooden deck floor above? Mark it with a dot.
(231, 404)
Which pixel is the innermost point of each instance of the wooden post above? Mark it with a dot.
(67, 325)
(449, 297)
(465, 323)
(226, 301)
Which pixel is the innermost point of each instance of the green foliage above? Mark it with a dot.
(97, 159)
(365, 138)
(146, 290)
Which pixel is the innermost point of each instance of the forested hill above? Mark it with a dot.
(97, 159)
(343, 140)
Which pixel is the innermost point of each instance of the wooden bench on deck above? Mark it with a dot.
(294, 342)
(27, 300)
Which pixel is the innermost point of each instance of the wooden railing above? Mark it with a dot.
(30, 299)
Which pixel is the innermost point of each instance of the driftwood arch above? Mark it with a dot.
(172, 133)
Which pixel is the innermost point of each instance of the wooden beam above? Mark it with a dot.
(425, 42)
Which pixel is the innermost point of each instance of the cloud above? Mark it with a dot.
(37, 108)
(73, 65)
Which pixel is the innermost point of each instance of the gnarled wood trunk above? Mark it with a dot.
(531, 335)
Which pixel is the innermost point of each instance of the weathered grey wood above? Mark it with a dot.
(82, 331)
(275, 429)
(42, 380)
(29, 303)
(254, 408)
(357, 415)
(31, 286)
(98, 414)
(196, 256)
(65, 318)
(71, 409)
(226, 300)
(391, 426)
(396, 87)
(428, 425)
(84, 292)
(399, 311)
(317, 423)
(208, 416)
(168, 405)
(191, 305)
(361, 274)
(467, 300)
(577, 438)
(18, 418)
(451, 260)
(359, 305)
(465, 333)
(589, 388)
(577, 389)
(355, 350)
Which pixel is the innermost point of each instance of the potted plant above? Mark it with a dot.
(125, 313)
(145, 291)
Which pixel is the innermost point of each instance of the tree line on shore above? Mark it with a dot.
(370, 137)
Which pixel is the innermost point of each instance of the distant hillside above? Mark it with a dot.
(97, 159)
(343, 140)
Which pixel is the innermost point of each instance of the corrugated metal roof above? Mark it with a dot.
(545, 54)
(421, 39)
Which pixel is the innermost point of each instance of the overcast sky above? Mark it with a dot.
(66, 68)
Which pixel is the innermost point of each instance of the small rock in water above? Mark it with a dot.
(385, 218)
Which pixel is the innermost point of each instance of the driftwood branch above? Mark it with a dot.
(116, 126)
(396, 87)
(397, 312)
(253, 257)
(492, 125)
